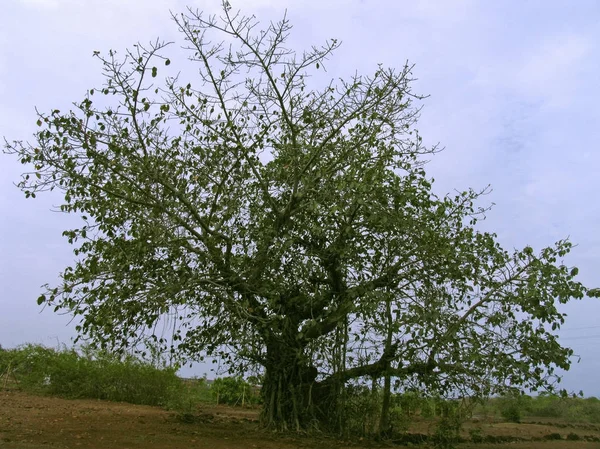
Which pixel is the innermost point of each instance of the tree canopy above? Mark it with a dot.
(286, 227)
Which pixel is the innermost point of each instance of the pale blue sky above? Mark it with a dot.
(514, 97)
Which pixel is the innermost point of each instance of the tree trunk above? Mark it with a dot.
(384, 422)
(288, 390)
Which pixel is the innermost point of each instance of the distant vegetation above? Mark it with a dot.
(87, 373)
(525, 408)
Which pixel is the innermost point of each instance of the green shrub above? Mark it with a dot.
(95, 374)
(362, 410)
(428, 408)
(553, 436)
(548, 406)
(511, 413)
(514, 405)
(185, 397)
(476, 435)
(234, 391)
(447, 431)
(410, 402)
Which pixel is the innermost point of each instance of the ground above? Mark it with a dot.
(28, 421)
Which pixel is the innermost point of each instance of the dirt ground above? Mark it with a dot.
(28, 421)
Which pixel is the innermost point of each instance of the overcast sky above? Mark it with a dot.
(514, 98)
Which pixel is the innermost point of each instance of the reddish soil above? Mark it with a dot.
(28, 421)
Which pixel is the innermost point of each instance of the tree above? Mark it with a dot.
(275, 221)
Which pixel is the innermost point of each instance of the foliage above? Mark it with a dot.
(568, 409)
(476, 435)
(553, 436)
(362, 409)
(99, 375)
(447, 431)
(187, 396)
(409, 402)
(234, 391)
(93, 374)
(276, 220)
(511, 413)
(513, 405)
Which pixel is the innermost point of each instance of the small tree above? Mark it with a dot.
(276, 221)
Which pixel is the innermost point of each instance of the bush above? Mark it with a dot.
(513, 406)
(511, 413)
(428, 408)
(362, 410)
(187, 395)
(548, 406)
(89, 373)
(553, 436)
(476, 435)
(95, 374)
(410, 402)
(234, 391)
(447, 432)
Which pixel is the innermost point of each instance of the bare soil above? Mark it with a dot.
(29, 421)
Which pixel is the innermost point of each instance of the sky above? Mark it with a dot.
(513, 90)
